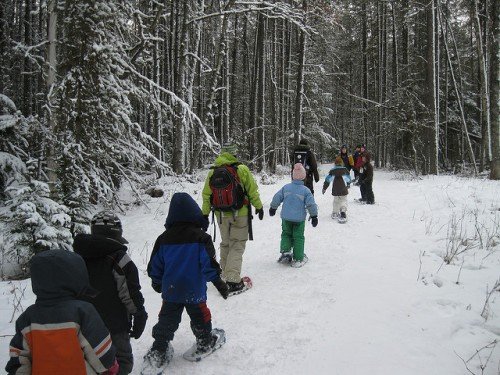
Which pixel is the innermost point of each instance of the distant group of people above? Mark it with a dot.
(89, 302)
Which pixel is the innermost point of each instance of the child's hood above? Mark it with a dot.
(96, 246)
(183, 209)
(225, 159)
(339, 170)
(59, 274)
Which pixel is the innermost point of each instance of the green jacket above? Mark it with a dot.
(246, 180)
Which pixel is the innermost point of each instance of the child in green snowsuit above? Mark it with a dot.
(296, 198)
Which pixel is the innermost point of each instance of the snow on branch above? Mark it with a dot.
(210, 142)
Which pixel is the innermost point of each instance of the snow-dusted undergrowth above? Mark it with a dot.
(405, 287)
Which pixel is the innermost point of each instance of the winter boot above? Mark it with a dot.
(299, 263)
(202, 349)
(285, 257)
(335, 215)
(159, 358)
(235, 287)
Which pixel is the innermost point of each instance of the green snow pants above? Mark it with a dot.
(234, 236)
(292, 237)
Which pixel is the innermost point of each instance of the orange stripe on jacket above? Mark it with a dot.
(56, 352)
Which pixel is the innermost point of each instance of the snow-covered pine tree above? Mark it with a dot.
(98, 145)
(30, 220)
(34, 223)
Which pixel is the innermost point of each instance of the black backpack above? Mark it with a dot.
(227, 191)
(300, 156)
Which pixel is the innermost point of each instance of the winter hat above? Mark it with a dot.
(230, 148)
(107, 224)
(299, 173)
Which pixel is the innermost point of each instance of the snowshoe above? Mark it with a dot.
(238, 288)
(299, 263)
(155, 361)
(197, 352)
(342, 218)
(285, 257)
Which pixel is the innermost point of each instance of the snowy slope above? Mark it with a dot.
(357, 306)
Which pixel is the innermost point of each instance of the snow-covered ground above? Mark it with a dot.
(375, 297)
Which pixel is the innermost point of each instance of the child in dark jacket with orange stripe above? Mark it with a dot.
(182, 262)
(60, 334)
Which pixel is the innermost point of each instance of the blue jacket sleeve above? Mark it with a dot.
(277, 199)
(311, 205)
(156, 264)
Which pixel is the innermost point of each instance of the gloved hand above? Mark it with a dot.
(113, 370)
(314, 221)
(221, 287)
(156, 287)
(206, 223)
(272, 211)
(138, 323)
(260, 212)
(323, 191)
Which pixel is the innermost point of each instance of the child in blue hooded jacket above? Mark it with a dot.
(182, 262)
(296, 198)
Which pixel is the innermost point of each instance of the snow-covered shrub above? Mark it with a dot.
(33, 223)
(266, 179)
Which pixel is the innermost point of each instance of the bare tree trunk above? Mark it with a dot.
(430, 98)
(178, 157)
(261, 71)
(365, 70)
(485, 95)
(51, 78)
(299, 92)
(459, 99)
(495, 90)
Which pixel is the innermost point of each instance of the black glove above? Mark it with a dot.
(272, 211)
(206, 223)
(138, 323)
(323, 191)
(314, 221)
(156, 287)
(221, 287)
(260, 212)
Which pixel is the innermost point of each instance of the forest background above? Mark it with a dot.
(97, 93)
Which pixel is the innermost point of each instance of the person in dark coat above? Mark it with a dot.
(341, 181)
(60, 333)
(356, 156)
(302, 154)
(111, 271)
(366, 179)
(182, 262)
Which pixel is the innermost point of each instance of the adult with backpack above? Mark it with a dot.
(302, 154)
(229, 192)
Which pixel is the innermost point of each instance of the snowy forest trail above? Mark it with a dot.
(355, 308)
(369, 301)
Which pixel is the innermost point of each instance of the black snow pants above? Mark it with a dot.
(170, 317)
